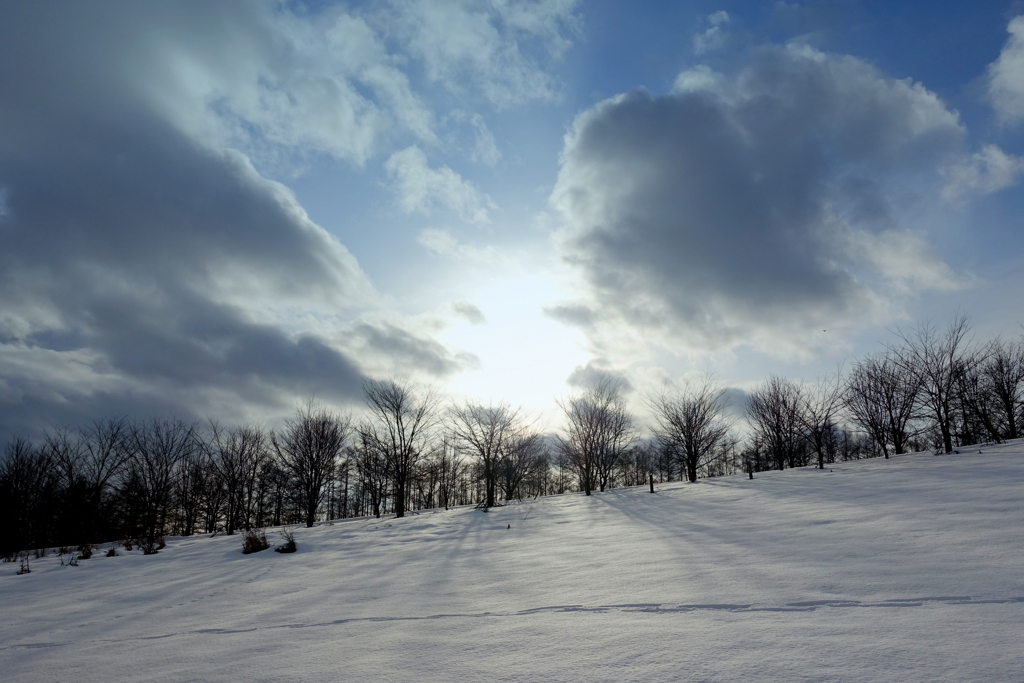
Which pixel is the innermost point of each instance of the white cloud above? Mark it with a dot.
(714, 36)
(273, 82)
(421, 188)
(752, 208)
(470, 312)
(905, 260)
(598, 370)
(485, 149)
(985, 172)
(484, 45)
(340, 81)
(1006, 75)
(698, 78)
(445, 244)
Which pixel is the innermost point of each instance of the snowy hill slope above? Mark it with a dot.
(904, 570)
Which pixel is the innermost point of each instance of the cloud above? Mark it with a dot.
(498, 49)
(388, 347)
(421, 188)
(250, 75)
(751, 208)
(485, 149)
(1006, 75)
(445, 244)
(735, 401)
(714, 36)
(596, 371)
(469, 312)
(698, 78)
(577, 315)
(985, 172)
(147, 265)
(281, 84)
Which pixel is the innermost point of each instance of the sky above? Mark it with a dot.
(219, 210)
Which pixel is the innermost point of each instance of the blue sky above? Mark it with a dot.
(221, 210)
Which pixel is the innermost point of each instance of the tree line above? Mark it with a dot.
(139, 480)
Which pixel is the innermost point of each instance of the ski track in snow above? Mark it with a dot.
(647, 608)
(650, 608)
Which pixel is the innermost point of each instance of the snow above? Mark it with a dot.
(906, 569)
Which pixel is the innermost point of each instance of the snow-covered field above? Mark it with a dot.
(902, 570)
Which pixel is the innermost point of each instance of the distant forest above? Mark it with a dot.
(139, 480)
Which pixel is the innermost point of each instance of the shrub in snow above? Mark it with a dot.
(255, 540)
(85, 551)
(289, 543)
(25, 569)
(151, 546)
(111, 552)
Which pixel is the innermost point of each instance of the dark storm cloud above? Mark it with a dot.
(142, 269)
(750, 208)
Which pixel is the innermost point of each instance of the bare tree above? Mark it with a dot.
(527, 454)
(690, 423)
(638, 464)
(451, 471)
(774, 411)
(598, 431)
(63, 449)
(821, 405)
(371, 469)
(1003, 374)
(882, 397)
(401, 419)
(103, 460)
(27, 481)
(191, 488)
(237, 456)
(486, 434)
(308, 449)
(276, 480)
(562, 468)
(979, 407)
(156, 447)
(938, 361)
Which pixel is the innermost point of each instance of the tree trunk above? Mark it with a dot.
(400, 499)
(310, 517)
